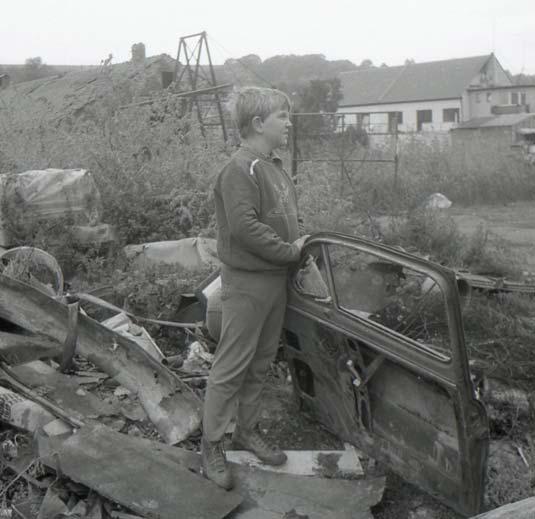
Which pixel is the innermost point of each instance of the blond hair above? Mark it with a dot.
(249, 102)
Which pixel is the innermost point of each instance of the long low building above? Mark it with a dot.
(435, 96)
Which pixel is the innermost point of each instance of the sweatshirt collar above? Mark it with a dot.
(273, 158)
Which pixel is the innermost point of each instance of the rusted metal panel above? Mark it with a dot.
(170, 404)
(144, 480)
(409, 405)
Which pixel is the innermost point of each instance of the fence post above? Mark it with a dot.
(294, 147)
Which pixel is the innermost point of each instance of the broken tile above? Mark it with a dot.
(64, 390)
(94, 506)
(122, 391)
(133, 411)
(144, 480)
(52, 505)
(57, 428)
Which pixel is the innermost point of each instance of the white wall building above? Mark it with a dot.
(419, 97)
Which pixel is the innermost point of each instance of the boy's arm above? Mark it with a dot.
(241, 199)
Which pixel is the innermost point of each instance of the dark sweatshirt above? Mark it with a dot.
(256, 211)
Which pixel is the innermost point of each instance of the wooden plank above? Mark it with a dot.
(143, 480)
(524, 509)
(170, 404)
(308, 463)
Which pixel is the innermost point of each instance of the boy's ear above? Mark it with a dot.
(257, 124)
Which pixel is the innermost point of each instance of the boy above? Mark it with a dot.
(258, 238)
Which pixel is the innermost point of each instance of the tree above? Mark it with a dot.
(320, 95)
(410, 61)
(34, 68)
(366, 63)
(250, 60)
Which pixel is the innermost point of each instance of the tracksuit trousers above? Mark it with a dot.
(253, 308)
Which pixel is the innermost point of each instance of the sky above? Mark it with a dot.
(72, 32)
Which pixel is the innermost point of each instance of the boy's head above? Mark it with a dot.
(262, 112)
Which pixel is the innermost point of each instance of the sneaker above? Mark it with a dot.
(214, 464)
(252, 441)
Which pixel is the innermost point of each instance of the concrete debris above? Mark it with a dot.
(520, 510)
(122, 324)
(52, 505)
(189, 253)
(169, 403)
(199, 359)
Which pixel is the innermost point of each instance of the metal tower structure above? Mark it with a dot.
(199, 82)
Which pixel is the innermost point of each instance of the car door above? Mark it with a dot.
(375, 344)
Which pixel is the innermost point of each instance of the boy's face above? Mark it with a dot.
(275, 128)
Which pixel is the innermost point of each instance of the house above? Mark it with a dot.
(501, 132)
(433, 96)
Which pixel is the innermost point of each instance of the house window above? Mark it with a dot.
(422, 117)
(387, 295)
(478, 97)
(394, 120)
(363, 120)
(450, 115)
(514, 98)
(489, 97)
(523, 98)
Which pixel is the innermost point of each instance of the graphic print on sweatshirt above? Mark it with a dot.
(284, 204)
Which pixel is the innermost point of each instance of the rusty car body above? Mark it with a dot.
(375, 346)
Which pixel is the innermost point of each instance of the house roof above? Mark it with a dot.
(446, 79)
(497, 121)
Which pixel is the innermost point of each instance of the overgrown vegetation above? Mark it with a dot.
(155, 172)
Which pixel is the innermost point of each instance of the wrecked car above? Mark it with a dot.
(375, 345)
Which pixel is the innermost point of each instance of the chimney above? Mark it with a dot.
(138, 53)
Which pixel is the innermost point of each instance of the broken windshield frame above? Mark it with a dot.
(325, 266)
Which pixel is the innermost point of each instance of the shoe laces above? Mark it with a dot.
(257, 439)
(217, 457)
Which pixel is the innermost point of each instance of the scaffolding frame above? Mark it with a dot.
(191, 76)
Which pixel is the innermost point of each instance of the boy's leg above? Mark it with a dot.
(246, 436)
(244, 311)
(249, 395)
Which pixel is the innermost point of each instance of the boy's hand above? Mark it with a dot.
(301, 241)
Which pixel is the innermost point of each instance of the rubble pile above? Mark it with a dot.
(97, 422)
